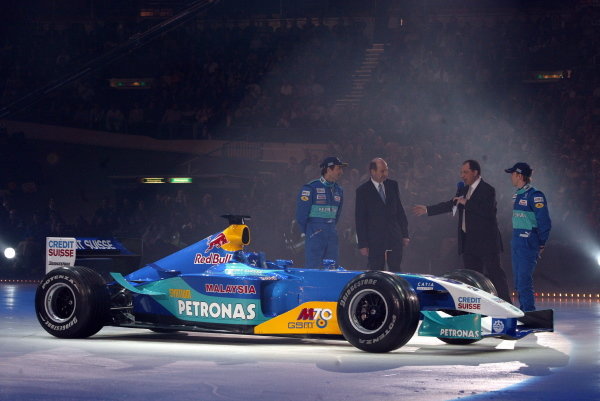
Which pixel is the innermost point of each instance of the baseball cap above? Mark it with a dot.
(332, 161)
(521, 168)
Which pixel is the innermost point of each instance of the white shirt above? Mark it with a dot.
(377, 184)
(472, 188)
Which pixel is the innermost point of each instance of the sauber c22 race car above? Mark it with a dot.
(214, 285)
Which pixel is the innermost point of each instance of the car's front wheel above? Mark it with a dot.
(72, 302)
(378, 311)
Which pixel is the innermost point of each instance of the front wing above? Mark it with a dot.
(475, 327)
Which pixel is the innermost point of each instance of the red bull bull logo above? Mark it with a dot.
(217, 242)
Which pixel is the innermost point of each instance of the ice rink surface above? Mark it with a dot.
(134, 364)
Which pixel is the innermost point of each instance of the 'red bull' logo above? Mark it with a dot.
(218, 241)
(212, 259)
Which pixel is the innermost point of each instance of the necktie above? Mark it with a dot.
(464, 226)
(381, 192)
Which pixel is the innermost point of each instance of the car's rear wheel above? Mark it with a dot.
(378, 311)
(72, 302)
(474, 279)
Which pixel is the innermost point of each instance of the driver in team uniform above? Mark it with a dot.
(318, 208)
(531, 228)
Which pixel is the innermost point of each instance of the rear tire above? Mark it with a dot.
(378, 311)
(474, 279)
(72, 302)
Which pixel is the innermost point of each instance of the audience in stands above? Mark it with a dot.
(446, 90)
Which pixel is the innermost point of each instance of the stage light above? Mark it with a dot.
(598, 258)
(9, 253)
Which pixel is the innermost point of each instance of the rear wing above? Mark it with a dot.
(101, 254)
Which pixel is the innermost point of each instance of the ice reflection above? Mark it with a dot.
(8, 296)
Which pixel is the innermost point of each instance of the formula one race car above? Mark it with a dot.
(214, 285)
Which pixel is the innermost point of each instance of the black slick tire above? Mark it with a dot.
(72, 302)
(378, 311)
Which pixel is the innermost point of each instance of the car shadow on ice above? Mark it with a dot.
(530, 358)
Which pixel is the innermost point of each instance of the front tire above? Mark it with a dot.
(72, 302)
(474, 279)
(378, 311)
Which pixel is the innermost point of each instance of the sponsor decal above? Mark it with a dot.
(538, 198)
(498, 326)
(305, 193)
(58, 263)
(424, 286)
(61, 244)
(216, 310)
(469, 303)
(523, 202)
(57, 277)
(248, 272)
(525, 234)
(539, 205)
(212, 259)
(446, 332)
(519, 215)
(337, 198)
(230, 289)
(60, 252)
(320, 190)
(514, 196)
(462, 326)
(62, 327)
(321, 196)
(382, 335)
(176, 293)
(359, 283)
(304, 198)
(95, 244)
(308, 318)
(217, 242)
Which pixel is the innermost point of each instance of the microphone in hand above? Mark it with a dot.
(459, 186)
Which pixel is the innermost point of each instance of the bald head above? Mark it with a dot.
(378, 169)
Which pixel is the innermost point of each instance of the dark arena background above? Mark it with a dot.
(146, 120)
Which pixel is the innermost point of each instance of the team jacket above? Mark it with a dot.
(319, 201)
(530, 216)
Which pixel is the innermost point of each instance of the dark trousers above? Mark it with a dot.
(377, 260)
(489, 265)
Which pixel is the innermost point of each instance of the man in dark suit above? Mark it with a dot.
(381, 224)
(479, 239)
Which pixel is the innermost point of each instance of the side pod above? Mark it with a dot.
(125, 284)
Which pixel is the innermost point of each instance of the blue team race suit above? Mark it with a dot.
(318, 207)
(531, 228)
